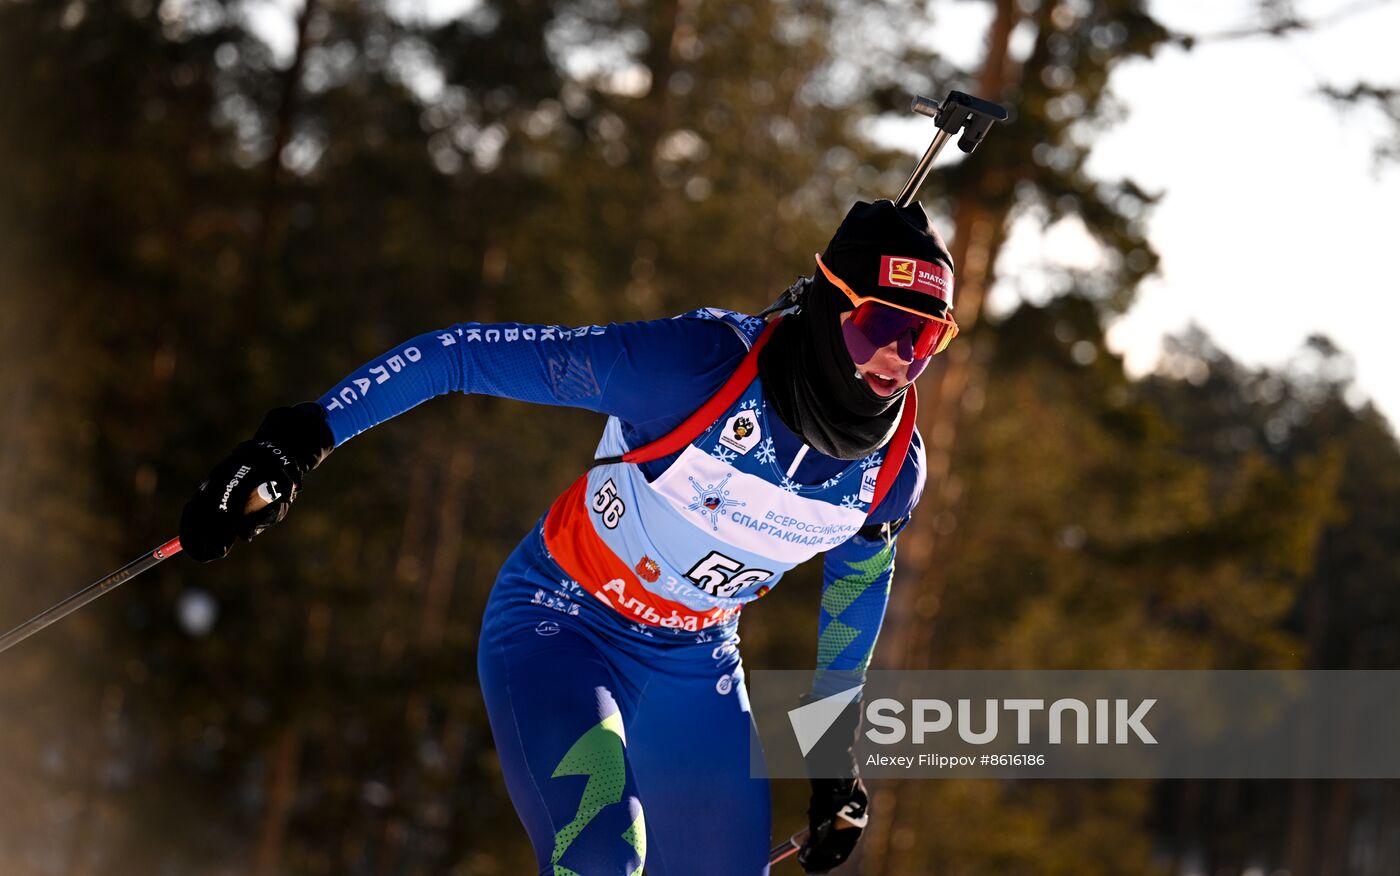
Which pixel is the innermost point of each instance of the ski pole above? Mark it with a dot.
(787, 848)
(89, 593)
(256, 502)
(973, 116)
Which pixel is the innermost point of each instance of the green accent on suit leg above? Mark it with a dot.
(637, 836)
(598, 755)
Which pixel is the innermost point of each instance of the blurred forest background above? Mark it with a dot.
(194, 229)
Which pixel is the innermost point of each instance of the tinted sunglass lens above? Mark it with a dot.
(883, 324)
(919, 336)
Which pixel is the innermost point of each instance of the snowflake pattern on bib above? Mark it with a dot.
(685, 547)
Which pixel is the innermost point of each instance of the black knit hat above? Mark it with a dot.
(893, 254)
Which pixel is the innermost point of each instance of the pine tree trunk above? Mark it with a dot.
(1184, 831)
(1387, 833)
(661, 62)
(1303, 818)
(284, 760)
(281, 136)
(977, 236)
(443, 572)
(1336, 836)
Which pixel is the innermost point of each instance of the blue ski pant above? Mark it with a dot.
(623, 747)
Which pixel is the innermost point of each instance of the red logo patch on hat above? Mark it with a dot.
(901, 272)
(928, 277)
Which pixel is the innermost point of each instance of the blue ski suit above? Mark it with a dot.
(608, 657)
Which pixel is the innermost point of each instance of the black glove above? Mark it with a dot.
(836, 790)
(833, 838)
(289, 443)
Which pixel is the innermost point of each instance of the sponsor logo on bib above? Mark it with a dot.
(741, 432)
(648, 570)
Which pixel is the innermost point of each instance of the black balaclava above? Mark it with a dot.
(807, 373)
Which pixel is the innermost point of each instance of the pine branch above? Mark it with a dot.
(1280, 20)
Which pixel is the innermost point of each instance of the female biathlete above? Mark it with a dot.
(608, 656)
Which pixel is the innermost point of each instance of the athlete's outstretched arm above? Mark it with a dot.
(642, 372)
(636, 371)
